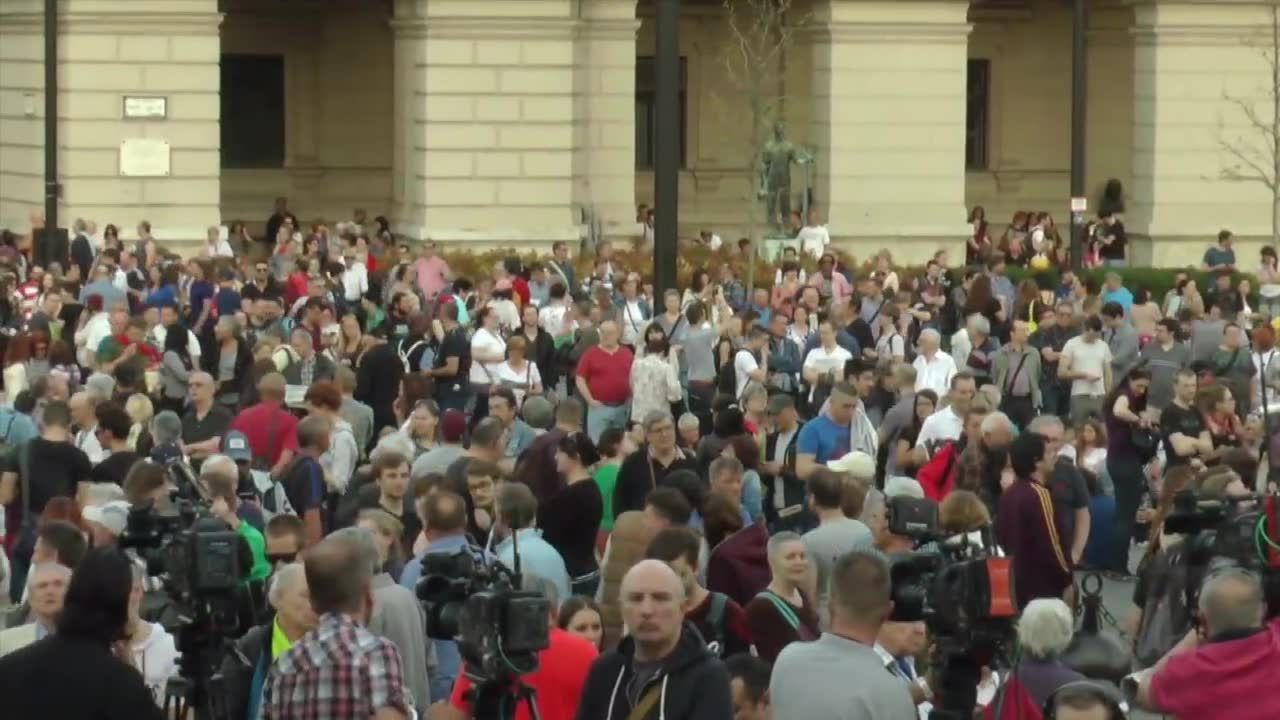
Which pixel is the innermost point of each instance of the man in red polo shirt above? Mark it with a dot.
(604, 382)
(272, 431)
(557, 683)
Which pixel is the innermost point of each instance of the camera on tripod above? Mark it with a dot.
(961, 590)
(499, 628)
(1242, 530)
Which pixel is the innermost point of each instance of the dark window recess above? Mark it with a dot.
(646, 107)
(977, 117)
(252, 111)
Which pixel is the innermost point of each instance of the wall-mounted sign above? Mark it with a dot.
(144, 157)
(143, 108)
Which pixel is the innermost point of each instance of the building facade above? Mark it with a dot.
(521, 122)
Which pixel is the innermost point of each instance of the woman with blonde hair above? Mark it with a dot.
(140, 411)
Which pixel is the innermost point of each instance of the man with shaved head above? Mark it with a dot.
(662, 669)
(339, 669)
(205, 422)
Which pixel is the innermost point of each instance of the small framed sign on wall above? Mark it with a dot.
(138, 107)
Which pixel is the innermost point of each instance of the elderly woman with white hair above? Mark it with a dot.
(1044, 632)
(978, 351)
(245, 671)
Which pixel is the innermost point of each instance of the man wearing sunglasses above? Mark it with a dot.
(260, 285)
(284, 540)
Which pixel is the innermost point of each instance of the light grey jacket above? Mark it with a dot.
(398, 617)
(1005, 362)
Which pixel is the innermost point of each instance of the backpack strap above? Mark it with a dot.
(715, 618)
(783, 607)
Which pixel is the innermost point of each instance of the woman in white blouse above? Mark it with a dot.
(488, 351)
(517, 372)
(655, 381)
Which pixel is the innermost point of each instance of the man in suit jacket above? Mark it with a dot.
(310, 367)
(82, 250)
(48, 587)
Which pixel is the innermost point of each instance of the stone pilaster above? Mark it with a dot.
(1195, 62)
(889, 124)
(107, 50)
(605, 77)
(490, 135)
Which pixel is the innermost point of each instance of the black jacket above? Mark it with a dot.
(71, 678)
(790, 511)
(378, 384)
(636, 478)
(692, 684)
(241, 377)
(239, 666)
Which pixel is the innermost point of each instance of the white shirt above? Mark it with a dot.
(825, 361)
(814, 239)
(934, 374)
(157, 659)
(551, 318)
(942, 425)
(1089, 357)
(518, 381)
(87, 441)
(355, 281)
(633, 323)
(744, 363)
(159, 332)
(222, 248)
(486, 343)
(89, 337)
(1260, 364)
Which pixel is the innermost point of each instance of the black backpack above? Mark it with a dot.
(715, 624)
(1165, 619)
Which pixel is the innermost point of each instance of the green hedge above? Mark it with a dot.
(1157, 281)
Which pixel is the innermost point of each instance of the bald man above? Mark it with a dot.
(663, 668)
(205, 422)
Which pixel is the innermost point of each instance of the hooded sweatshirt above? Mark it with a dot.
(1223, 679)
(739, 565)
(692, 684)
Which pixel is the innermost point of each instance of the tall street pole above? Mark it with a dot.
(1079, 97)
(50, 125)
(667, 142)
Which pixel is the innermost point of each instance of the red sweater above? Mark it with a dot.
(739, 565)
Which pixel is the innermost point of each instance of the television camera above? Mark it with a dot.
(963, 593)
(199, 561)
(1242, 530)
(499, 627)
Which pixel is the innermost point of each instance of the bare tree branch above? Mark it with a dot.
(1258, 160)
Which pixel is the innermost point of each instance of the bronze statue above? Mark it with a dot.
(775, 174)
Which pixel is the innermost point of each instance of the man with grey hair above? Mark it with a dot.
(647, 467)
(166, 433)
(1067, 486)
(902, 378)
(1044, 632)
(340, 669)
(1230, 671)
(839, 675)
(689, 429)
(934, 368)
(47, 587)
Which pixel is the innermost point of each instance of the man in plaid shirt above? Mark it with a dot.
(340, 670)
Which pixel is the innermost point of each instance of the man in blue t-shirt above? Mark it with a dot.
(827, 436)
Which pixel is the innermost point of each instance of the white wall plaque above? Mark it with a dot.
(136, 107)
(144, 157)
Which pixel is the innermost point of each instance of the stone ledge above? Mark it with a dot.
(129, 23)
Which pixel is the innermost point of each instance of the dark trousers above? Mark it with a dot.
(1054, 396)
(1127, 477)
(701, 395)
(1019, 409)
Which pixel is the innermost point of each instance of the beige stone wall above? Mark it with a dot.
(889, 106)
(491, 133)
(108, 50)
(1029, 48)
(339, 133)
(1191, 58)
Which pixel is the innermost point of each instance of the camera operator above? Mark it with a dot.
(77, 672)
(245, 670)
(662, 669)
(558, 681)
(1230, 672)
(221, 477)
(339, 669)
(839, 675)
(1026, 527)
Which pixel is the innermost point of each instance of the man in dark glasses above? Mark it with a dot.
(284, 540)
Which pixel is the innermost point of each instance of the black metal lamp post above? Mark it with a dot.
(667, 142)
(1079, 90)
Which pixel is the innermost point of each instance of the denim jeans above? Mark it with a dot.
(603, 417)
(1126, 473)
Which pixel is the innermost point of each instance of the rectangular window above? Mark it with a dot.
(252, 111)
(977, 119)
(646, 108)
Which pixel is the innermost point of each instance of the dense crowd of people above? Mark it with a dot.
(701, 482)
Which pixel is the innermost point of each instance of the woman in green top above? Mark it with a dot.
(606, 475)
